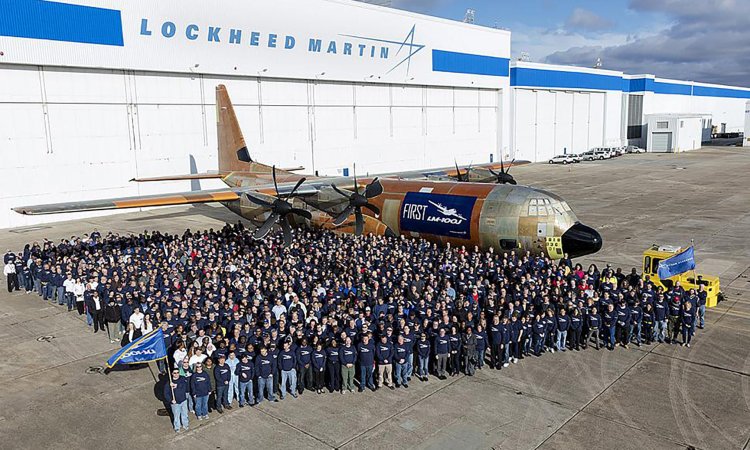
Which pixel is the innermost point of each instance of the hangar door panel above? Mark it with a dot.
(545, 125)
(580, 122)
(596, 119)
(525, 122)
(564, 123)
(661, 142)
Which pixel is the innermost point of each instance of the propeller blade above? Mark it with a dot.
(258, 201)
(512, 181)
(356, 186)
(374, 209)
(341, 218)
(511, 165)
(374, 189)
(274, 181)
(296, 186)
(502, 166)
(302, 213)
(261, 232)
(287, 231)
(342, 193)
(359, 223)
(458, 171)
(493, 172)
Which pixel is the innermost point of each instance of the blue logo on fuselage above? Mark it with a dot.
(437, 214)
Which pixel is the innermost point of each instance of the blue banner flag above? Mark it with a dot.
(677, 264)
(144, 349)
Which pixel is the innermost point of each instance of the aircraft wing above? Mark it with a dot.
(208, 196)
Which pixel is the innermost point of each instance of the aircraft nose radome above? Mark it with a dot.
(581, 240)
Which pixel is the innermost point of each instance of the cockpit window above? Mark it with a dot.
(547, 207)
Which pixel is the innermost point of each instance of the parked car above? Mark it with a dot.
(597, 153)
(617, 151)
(634, 149)
(563, 159)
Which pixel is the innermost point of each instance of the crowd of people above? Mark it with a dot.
(250, 321)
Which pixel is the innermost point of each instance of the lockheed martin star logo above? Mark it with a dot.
(408, 47)
(447, 212)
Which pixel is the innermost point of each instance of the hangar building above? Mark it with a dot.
(96, 92)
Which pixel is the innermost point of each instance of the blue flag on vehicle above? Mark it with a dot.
(144, 349)
(677, 264)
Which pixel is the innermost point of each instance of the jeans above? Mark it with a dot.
(561, 338)
(611, 335)
(234, 388)
(221, 397)
(480, 357)
(45, 291)
(21, 280)
(38, 286)
(687, 334)
(201, 406)
(29, 284)
(635, 332)
(89, 318)
(506, 353)
(660, 330)
(190, 403)
(538, 344)
(347, 378)
(246, 393)
(424, 366)
(701, 316)
(401, 373)
(265, 385)
(60, 295)
(291, 377)
(70, 299)
(365, 377)
(180, 415)
(409, 365)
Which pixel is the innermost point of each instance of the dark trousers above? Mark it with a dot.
(515, 349)
(468, 363)
(455, 363)
(79, 307)
(575, 338)
(334, 377)
(12, 282)
(319, 378)
(98, 317)
(622, 334)
(674, 327)
(495, 355)
(365, 377)
(305, 378)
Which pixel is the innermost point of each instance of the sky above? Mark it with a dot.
(692, 40)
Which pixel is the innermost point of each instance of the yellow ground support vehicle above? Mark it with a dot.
(656, 253)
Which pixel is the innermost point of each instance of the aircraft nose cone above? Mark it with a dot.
(581, 240)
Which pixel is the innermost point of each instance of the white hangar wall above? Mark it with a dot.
(557, 109)
(127, 89)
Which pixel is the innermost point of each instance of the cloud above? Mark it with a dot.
(707, 41)
(587, 20)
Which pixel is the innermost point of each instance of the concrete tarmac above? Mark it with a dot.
(652, 397)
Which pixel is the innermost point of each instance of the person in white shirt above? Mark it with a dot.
(198, 357)
(10, 275)
(78, 290)
(69, 285)
(147, 326)
(137, 318)
(180, 354)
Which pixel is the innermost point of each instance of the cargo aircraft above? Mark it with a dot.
(478, 205)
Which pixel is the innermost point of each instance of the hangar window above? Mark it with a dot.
(662, 125)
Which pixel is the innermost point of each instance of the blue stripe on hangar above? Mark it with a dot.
(454, 62)
(41, 19)
(563, 80)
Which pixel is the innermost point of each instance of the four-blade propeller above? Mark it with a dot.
(462, 177)
(503, 177)
(280, 210)
(357, 201)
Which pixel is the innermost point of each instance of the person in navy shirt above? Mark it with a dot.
(223, 376)
(287, 361)
(366, 352)
(424, 350)
(348, 357)
(688, 324)
(175, 393)
(333, 366)
(200, 387)
(265, 368)
(245, 372)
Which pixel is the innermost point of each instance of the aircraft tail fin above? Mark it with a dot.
(233, 153)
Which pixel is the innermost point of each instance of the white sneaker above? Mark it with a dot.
(515, 360)
(505, 364)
